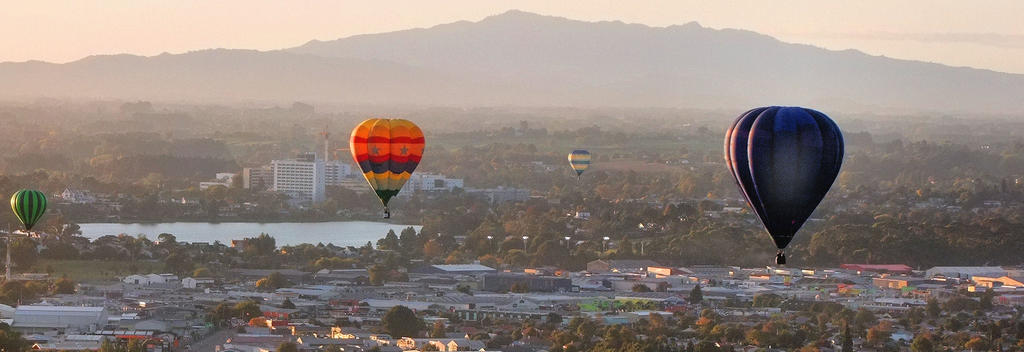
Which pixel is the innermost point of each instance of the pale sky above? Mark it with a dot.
(986, 34)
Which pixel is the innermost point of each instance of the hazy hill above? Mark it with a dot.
(686, 65)
(519, 58)
(231, 75)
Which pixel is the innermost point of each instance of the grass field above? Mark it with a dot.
(95, 270)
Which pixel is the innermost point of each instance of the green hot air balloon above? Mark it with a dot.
(29, 205)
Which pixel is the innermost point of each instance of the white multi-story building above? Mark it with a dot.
(303, 178)
(260, 178)
(77, 196)
(337, 172)
(431, 183)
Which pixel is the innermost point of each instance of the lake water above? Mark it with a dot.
(341, 233)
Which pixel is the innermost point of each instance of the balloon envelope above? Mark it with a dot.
(387, 151)
(784, 160)
(29, 205)
(579, 159)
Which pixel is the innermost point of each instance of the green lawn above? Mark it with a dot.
(95, 270)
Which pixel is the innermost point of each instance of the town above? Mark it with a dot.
(614, 304)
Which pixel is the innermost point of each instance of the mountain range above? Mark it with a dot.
(520, 58)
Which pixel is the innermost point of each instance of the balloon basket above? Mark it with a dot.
(780, 258)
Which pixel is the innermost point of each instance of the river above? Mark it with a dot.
(341, 233)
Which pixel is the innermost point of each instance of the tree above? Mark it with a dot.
(985, 301)
(878, 335)
(23, 252)
(922, 343)
(11, 340)
(864, 317)
(490, 260)
(847, 338)
(400, 321)
(262, 245)
(554, 318)
(220, 314)
(438, 330)
(167, 240)
(519, 287)
(64, 285)
(201, 272)
(409, 241)
(272, 282)
(977, 344)
(641, 288)
(379, 274)
(247, 310)
(464, 289)
(662, 287)
(389, 242)
(933, 309)
(258, 321)
(696, 296)
(288, 347)
(178, 262)
(516, 258)
(432, 249)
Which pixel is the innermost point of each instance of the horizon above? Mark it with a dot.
(990, 39)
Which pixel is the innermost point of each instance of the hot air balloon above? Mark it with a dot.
(579, 159)
(387, 151)
(29, 205)
(784, 160)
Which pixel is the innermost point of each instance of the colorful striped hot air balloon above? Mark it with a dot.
(579, 159)
(387, 151)
(29, 205)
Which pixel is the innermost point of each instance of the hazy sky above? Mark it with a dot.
(988, 34)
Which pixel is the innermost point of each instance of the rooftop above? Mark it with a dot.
(463, 267)
(41, 308)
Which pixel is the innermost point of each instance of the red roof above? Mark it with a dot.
(893, 268)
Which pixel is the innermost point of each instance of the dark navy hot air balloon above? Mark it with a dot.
(784, 160)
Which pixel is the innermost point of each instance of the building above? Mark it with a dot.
(336, 172)
(501, 194)
(197, 282)
(40, 318)
(604, 266)
(260, 178)
(303, 178)
(71, 343)
(431, 183)
(965, 272)
(150, 279)
(503, 282)
(76, 196)
(462, 269)
(895, 282)
(878, 268)
(1003, 281)
(663, 271)
(221, 179)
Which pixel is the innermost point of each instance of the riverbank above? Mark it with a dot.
(341, 233)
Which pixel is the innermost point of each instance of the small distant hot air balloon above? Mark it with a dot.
(387, 151)
(579, 159)
(784, 160)
(29, 205)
